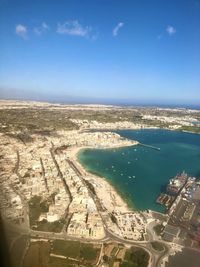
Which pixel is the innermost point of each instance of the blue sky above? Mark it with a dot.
(128, 51)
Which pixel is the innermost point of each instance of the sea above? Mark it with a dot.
(140, 173)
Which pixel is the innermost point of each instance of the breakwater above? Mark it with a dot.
(149, 146)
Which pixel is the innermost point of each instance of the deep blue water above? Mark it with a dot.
(140, 173)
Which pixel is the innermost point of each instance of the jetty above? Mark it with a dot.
(149, 146)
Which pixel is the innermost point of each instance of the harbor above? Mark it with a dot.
(165, 200)
(175, 185)
(144, 165)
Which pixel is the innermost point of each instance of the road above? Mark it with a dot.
(155, 257)
(154, 261)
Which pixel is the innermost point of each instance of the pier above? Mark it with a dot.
(149, 146)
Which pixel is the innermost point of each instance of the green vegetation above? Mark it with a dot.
(91, 187)
(117, 253)
(194, 129)
(74, 249)
(74, 253)
(17, 251)
(135, 257)
(114, 251)
(34, 209)
(38, 120)
(113, 218)
(158, 229)
(157, 246)
(57, 262)
(85, 253)
(37, 255)
(77, 254)
(46, 120)
(46, 226)
(37, 206)
(88, 252)
(69, 249)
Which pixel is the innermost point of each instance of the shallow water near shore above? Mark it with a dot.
(141, 173)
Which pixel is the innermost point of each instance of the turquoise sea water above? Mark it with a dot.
(139, 173)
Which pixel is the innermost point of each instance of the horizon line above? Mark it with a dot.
(108, 102)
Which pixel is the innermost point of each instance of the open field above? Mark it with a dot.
(37, 254)
(135, 257)
(86, 253)
(61, 253)
(43, 118)
(118, 255)
(18, 250)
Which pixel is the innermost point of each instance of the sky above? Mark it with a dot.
(137, 51)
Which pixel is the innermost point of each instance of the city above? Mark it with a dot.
(100, 133)
(46, 195)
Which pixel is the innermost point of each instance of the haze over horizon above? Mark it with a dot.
(101, 51)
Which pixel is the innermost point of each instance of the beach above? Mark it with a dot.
(108, 195)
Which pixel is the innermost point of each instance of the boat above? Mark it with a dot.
(177, 183)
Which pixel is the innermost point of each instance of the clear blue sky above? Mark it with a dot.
(137, 50)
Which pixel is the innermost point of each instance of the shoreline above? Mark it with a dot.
(102, 180)
(106, 191)
(135, 129)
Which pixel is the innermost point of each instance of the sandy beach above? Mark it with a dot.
(109, 196)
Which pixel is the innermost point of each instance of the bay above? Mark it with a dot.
(140, 173)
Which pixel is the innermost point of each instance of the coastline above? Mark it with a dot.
(136, 128)
(105, 190)
(94, 174)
